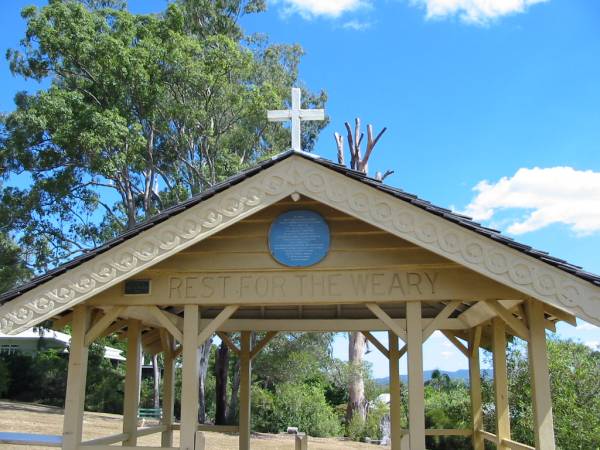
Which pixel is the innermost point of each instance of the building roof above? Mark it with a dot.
(459, 219)
(61, 338)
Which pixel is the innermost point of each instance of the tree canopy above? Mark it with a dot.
(142, 111)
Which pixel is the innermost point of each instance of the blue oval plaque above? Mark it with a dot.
(299, 238)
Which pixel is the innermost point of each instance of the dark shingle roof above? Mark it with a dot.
(447, 214)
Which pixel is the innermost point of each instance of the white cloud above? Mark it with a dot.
(474, 11)
(594, 345)
(357, 25)
(584, 326)
(545, 196)
(328, 8)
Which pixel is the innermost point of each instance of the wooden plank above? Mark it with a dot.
(165, 321)
(517, 445)
(458, 344)
(225, 338)
(560, 314)
(212, 327)
(102, 324)
(63, 321)
(117, 326)
(106, 440)
(416, 389)
(514, 323)
(540, 377)
(314, 286)
(262, 344)
(168, 402)
(500, 381)
(440, 318)
(383, 316)
(395, 392)
(475, 389)
(189, 381)
(146, 431)
(77, 373)
(373, 340)
(133, 375)
(244, 393)
(491, 437)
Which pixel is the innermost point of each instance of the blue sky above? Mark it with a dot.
(474, 94)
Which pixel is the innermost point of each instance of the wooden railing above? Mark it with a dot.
(491, 437)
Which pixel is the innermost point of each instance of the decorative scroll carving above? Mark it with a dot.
(296, 174)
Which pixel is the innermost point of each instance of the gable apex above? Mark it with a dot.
(437, 229)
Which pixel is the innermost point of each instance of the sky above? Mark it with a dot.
(492, 109)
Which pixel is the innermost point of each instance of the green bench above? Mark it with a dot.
(150, 413)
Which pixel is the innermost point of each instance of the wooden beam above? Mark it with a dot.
(560, 314)
(102, 324)
(168, 402)
(189, 380)
(245, 380)
(514, 323)
(118, 325)
(133, 374)
(443, 315)
(458, 344)
(373, 340)
(63, 321)
(75, 395)
(262, 344)
(225, 338)
(416, 389)
(395, 392)
(212, 327)
(475, 389)
(540, 378)
(165, 321)
(385, 318)
(500, 381)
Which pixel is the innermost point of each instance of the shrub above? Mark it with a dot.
(299, 405)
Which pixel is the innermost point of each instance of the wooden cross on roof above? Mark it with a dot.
(296, 115)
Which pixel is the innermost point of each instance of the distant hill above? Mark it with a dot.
(462, 374)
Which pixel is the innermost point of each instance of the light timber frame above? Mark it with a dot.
(447, 278)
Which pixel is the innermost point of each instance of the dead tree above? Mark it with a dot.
(357, 404)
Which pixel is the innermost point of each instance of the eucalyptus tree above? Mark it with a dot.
(141, 111)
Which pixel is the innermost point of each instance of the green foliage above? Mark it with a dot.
(359, 429)
(447, 405)
(300, 405)
(12, 267)
(575, 386)
(178, 97)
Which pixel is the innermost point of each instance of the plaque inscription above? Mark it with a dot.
(299, 238)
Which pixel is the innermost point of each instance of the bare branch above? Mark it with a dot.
(339, 141)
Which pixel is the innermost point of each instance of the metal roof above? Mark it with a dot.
(447, 214)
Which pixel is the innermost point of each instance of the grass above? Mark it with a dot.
(32, 418)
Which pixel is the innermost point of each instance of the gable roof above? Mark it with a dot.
(576, 291)
(447, 214)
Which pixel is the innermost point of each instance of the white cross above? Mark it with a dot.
(296, 115)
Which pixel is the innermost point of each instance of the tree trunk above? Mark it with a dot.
(235, 389)
(356, 388)
(156, 378)
(221, 378)
(203, 357)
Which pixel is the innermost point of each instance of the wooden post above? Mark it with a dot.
(189, 379)
(395, 404)
(501, 381)
(75, 396)
(301, 441)
(475, 387)
(131, 402)
(416, 390)
(540, 378)
(168, 393)
(245, 377)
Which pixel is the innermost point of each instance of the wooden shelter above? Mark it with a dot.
(395, 263)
